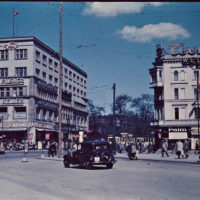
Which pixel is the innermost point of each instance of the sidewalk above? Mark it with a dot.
(193, 158)
(157, 157)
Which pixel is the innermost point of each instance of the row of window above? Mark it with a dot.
(54, 81)
(178, 76)
(13, 91)
(52, 116)
(54, 65)
(18, 113)
(19, 72)
(179, 93)
(159, 114)
(46, 95)
(19, 54)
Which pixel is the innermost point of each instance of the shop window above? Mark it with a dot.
(19, 112)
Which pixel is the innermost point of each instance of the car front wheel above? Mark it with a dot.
(87, 165)
(66, 164)
(109, 165)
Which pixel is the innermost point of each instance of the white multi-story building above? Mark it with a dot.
(29, 81)
(174, 80)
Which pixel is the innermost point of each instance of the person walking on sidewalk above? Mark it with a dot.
(165, 148)
(196, 148)
(179, 149)
(186, 148)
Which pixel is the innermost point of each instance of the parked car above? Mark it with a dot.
(90, 153)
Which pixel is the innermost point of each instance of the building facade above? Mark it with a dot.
(29, 94)
(174, 80)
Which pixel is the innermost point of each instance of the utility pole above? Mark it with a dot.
(114, 121)
(198, 91)
(60, 134)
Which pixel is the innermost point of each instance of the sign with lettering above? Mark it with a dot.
(15, 101)
(191, 61)
(177, 129)
(12, 81)
(11, 46)
(47, 136)
(183, 50)
(27, 125)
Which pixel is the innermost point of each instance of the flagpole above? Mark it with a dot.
(13, 24)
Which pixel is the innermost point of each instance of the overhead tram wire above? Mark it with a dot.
(44, 22)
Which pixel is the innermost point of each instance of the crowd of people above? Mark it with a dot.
(181, 149)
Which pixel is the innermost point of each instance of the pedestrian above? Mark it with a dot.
(150, 147)
(26, 149)
(186, 148)
(132, 151)
(52, 149)
(179, 149)
(196, 148)
(2, 148)
(165, 148)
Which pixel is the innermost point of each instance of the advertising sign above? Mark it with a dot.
(47, 136)
(31, 135)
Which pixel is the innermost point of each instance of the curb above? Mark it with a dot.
(160, 160)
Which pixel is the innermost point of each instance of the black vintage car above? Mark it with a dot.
(90, 153)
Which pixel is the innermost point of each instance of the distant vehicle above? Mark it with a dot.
(90, 153)
(110, 139)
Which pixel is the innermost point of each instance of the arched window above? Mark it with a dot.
(182, 75)
(175, 76)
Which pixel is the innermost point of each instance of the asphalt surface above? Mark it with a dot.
(151, 177)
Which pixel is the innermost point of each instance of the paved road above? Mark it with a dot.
(144, 179)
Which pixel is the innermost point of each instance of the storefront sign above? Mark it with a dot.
(12, 81)
(191, 61)
(32, 135)
(177, 130)
(15, 101)
(27, 125)
(47, 136)
(183, 50)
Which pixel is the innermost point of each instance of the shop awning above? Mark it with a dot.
(178, 135)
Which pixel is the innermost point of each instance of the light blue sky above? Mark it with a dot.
(112, 42)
